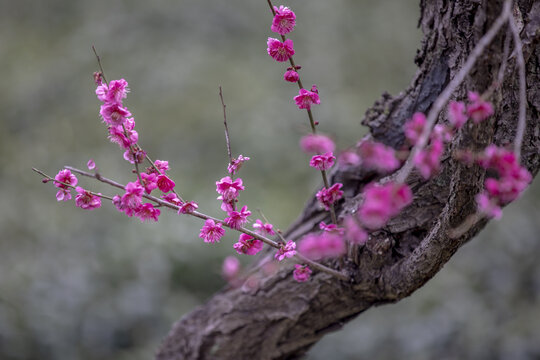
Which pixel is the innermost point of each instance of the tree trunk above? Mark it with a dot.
(282, 319)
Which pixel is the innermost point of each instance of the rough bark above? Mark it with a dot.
(282, 319)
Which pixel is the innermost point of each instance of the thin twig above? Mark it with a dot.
(443, 98)
(522, 88)
(99, 63)
(69, 185)
(227, 139)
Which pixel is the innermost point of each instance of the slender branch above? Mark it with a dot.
(227, 139)
(69, 185)
(522, 88)
(99, 63)
(443, 98)
(206, 217)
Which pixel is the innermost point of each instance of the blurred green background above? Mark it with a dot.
(98, 285)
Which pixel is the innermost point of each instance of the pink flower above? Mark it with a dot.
(114, 93)
(86, 200)
(63, 195)
(172, 198)
(456, 114)
(211, 232)
(284, 20)
(301, 273)
(188, 207)
(248, 245)
(280, 51)
(135, 156)
(126, 135)
(149, 182)
(377, 156)
(147, 211)
(286, 251)
(428, 161)
(306, 98)
(479, 109)
(114, 114)
(230, 268)
(323, 162)
(382, 202)
(237, 219)
(263, 228)
(161, 165)
(291, 76)
(488, 206)
(132, 198)
(332, 228)
(329, 196)
(164, 183)
(91, 164)
(324, 245)
(117, 202)
(317, 143)
(237, 164)
(354, 232)
(229, 189)
(414, 127)
(349, 158)
(66, 177)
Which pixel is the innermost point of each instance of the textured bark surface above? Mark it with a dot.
(282, 319)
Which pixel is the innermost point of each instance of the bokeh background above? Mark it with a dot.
(98, 285)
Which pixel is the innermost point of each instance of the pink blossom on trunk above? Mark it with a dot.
(301, 273)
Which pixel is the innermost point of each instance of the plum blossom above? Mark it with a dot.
(91, 164)
(286, 251)
(428, 161)
(280, 51)
(114, 92)
(291, 76)
(136, 156)
(147, 211)
(237, 219)
(456, 114)
(382, 202)
(230, 268)
(354, 232)
(263, 228)
(132, 198)
(377, 156)
(229, 188)
(414, 127)
(114, 114)
(164, 183)
(86, 200)
(237, 164)
(66, 177)
(149, 182)
(478, 109)
(349, 158)
(332, 228)
(317, 143)
(324, 245)
(301, 273)
(284, 20)
(125, 136)
(248, 245)
(187, 207)
(323, 162)
(329, 196)
(306, 98)
(171, 198)
(211, 232)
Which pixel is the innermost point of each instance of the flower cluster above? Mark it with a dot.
(382, 202)
(511, 182)
(321, 246)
